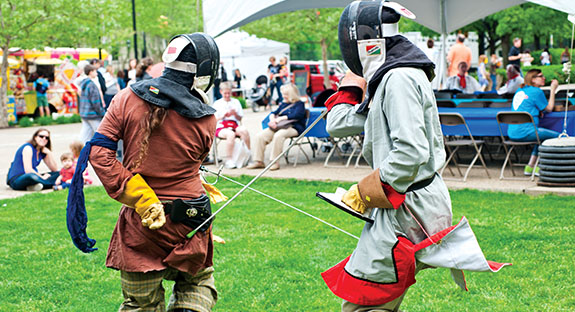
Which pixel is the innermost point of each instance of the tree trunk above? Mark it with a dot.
(505, 48)
(326, 82)
(4, 87)
(481, 43)
(536, 42)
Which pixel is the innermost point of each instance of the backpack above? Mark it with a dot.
(41, 88)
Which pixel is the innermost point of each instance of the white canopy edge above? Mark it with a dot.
(223, 15)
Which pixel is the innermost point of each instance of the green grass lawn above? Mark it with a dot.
(273, 255)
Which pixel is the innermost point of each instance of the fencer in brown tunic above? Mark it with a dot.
(171, 168)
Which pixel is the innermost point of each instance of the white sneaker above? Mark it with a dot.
(230, 164)
(35, 187)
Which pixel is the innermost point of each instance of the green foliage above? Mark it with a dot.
(305, 27)
(44, 120)
(25, 122)
(273, 255)
(550, 72)
(75, 118)
(242, 101)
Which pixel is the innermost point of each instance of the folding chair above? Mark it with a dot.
(300, 144)
(475, 104)
(515, 118)
(445, 103)
(455, 119)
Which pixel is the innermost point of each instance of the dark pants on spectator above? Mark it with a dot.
(276, 85)
(217, 94)
(20, 183)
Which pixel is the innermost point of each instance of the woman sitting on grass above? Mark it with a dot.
(23, 173)
(530, 98)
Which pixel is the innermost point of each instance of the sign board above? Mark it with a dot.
(11, 109)
(301, 80)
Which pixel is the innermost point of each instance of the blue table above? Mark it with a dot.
(318, 131)
(482, 122)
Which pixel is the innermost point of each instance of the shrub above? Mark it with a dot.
(75, 118)
(44, 120)
(63, 120)
(25, 122)
(242, 101)
(551, 72)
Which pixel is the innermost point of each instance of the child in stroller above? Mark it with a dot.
(259, 95)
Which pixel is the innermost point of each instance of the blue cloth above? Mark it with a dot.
(17, 166)
(76, 218)
(297, 112)
(531, 100)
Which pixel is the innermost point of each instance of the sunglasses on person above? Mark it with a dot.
(41, 136)
(540, 76)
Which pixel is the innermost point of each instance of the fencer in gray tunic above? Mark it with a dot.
(403, 140)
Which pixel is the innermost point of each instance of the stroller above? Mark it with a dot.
(259, 95)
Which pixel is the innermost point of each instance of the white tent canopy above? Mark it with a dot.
(443, 16)
(222, 15)
(248, 53)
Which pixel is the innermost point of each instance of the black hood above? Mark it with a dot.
(400, 52)
(169, 94)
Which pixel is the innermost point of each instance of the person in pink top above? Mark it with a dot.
(458, 53)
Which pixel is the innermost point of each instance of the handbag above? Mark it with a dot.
(284, 124)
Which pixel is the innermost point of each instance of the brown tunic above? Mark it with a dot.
(171, 168)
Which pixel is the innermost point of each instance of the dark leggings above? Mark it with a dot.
(27, 179)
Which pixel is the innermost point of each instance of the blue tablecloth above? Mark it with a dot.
(482, 122)
(318, 131)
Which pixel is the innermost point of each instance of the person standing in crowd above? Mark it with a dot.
(238, 78)
(458, 53)
(275, 80)
(142, 70)
(100, 81)
(545, 57)
(526, 58)
(515, 55)
(121, 77)
(565, 56)
(229, 114)
(293, 109)
(167, 130)
(482, 75)
(462, 81)
(514, 81)
(91, 106)
(130, 74)
(222, 77)
(112, 87)
(284, 70)
(433, 55)
(531, 99)
(23, 173)
(41, 86)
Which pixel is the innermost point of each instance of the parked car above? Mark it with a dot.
(314, 75)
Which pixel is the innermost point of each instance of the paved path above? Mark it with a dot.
(63, 135)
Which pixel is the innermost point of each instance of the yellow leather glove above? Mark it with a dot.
(140, 196)
(216, 196)
(352, 198)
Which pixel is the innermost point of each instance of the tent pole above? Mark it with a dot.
(443, 54)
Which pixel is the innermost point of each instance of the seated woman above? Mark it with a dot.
(530, 98)
(290, 109)
(229, 113)
(23, 173)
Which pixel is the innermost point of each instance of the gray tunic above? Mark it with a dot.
(403, 139)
